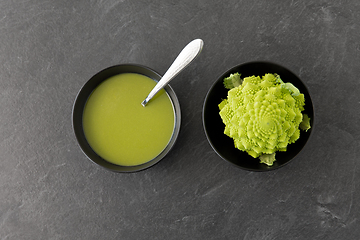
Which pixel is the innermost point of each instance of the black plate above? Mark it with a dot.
(214, 127)
(83, 96)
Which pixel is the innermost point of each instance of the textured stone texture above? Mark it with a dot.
(49, 190)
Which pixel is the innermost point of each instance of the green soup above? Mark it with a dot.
(119, 129)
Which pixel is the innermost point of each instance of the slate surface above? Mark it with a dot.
(49, 190)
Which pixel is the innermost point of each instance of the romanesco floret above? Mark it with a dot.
(263, 115)
(232, 81)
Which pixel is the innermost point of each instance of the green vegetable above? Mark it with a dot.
(262, 115)
(268, 159)
(305, 124)
(232, 81)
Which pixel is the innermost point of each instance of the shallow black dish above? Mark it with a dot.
(214, 127)
(89, 87)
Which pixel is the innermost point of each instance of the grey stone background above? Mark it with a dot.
(48, 188)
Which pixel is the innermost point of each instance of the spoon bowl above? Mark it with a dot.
(83, 96)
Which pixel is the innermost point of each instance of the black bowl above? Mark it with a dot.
(82, 97)
(214, 127)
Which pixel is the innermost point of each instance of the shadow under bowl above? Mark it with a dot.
(84, 94)
(214, 127)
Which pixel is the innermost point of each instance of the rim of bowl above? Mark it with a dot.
(263, 167)
(85, 92)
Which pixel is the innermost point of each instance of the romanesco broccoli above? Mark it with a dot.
(262, 115)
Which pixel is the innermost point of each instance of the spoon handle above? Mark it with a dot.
(189, 53)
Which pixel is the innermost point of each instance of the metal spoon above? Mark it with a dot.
(189, 53)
